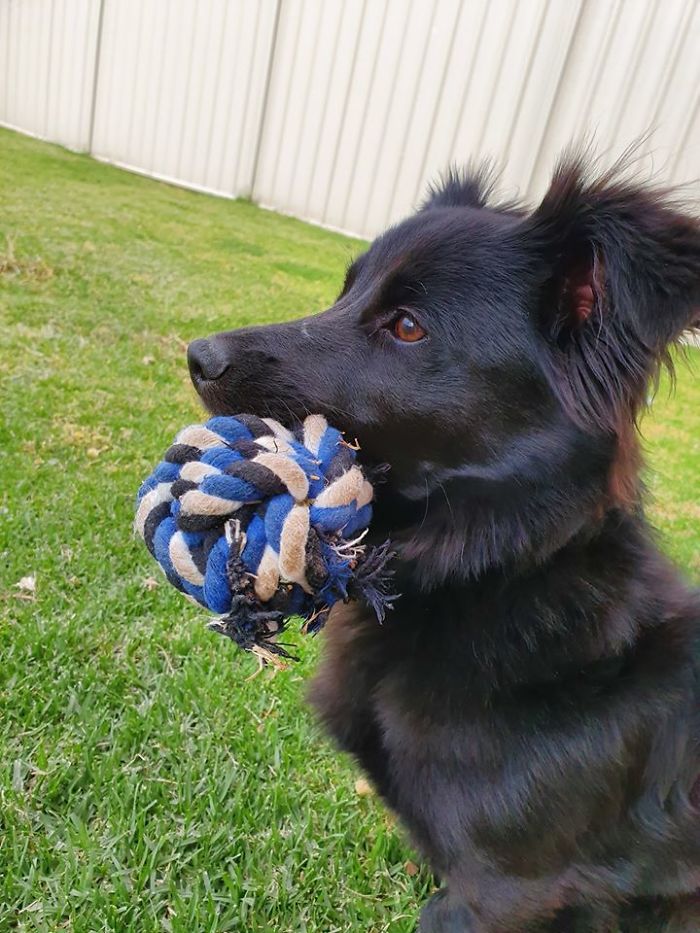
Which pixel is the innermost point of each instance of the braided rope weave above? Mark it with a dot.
(257, 522)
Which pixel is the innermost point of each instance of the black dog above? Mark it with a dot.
(531, 709)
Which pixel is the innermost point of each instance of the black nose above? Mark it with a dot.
(206, 360)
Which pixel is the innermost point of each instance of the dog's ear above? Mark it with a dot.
(617, 279)
(471, 186)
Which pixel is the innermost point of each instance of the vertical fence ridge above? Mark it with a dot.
(266, 95)
(96, 74)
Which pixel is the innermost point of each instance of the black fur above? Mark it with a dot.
(531, 707)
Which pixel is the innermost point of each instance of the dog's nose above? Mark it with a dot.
(206, 360)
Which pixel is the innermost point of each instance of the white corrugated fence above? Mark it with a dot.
(341, 111)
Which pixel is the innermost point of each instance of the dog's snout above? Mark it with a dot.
(207, 360)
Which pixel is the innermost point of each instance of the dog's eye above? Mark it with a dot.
(407, 329)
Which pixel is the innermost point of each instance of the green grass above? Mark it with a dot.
(145, 783)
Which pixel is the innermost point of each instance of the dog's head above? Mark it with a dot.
(496, 358)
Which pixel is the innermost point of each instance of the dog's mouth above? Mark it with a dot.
(227, 390)
(287, 413)
(224, 393)
(210, 396)
(291, 415)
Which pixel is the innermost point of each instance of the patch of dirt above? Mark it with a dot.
(83, 437)
(12, 266)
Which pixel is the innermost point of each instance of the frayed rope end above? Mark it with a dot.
(372, 580)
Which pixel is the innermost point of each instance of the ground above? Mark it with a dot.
(146, 783)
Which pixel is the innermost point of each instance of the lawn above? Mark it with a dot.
(146, 783)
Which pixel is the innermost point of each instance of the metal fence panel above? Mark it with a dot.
(181, 86)
(341, 111)
(47, 67)
(422, 84)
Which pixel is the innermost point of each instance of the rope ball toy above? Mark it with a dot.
(258, 523)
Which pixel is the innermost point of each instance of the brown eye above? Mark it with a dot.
(406, 328)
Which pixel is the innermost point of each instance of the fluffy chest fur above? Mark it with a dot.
(538, 723)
